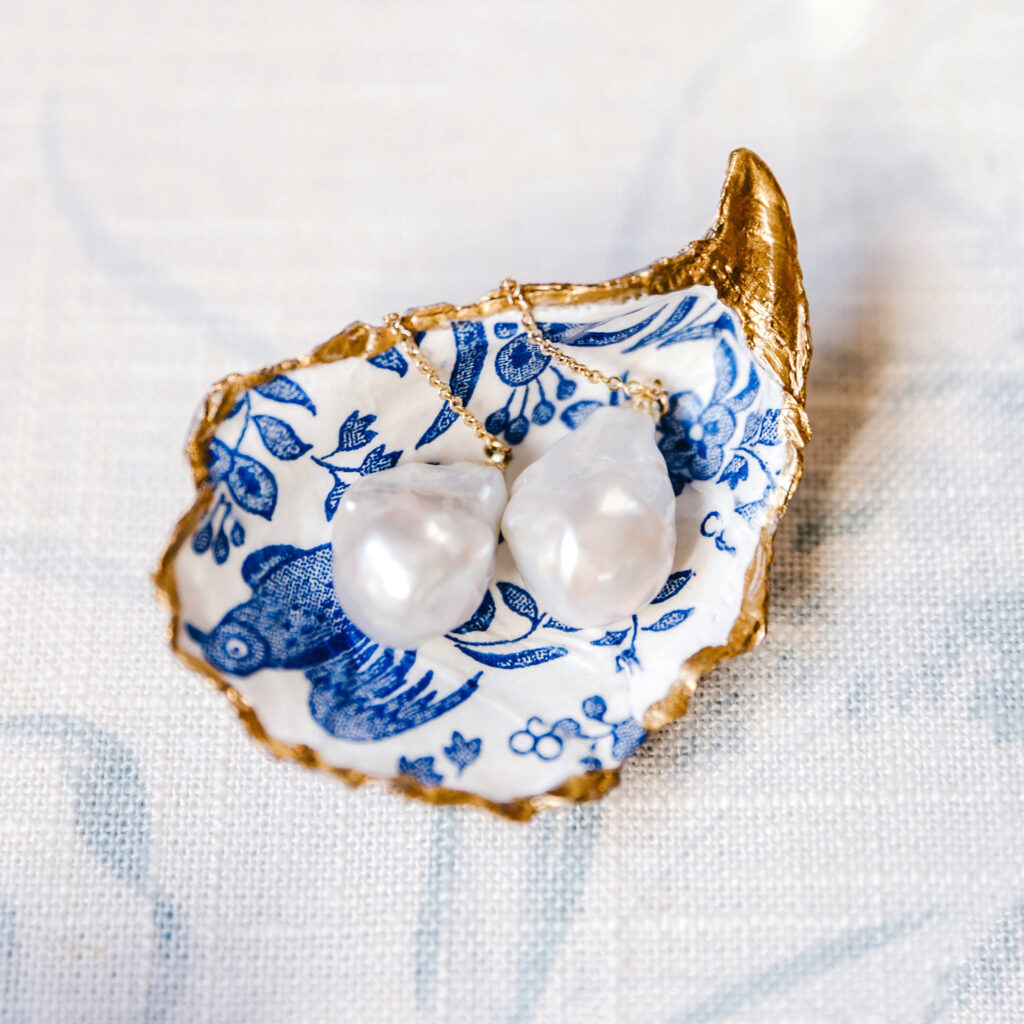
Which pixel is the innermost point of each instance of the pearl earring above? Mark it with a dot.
(591, 523)
(414, 546)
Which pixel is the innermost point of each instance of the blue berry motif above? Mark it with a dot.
(550, 741)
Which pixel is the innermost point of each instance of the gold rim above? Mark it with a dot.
(750, 259)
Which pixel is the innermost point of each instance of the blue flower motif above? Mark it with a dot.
(421, 769)
(522, 366)
(694, 434)
(693, 438)
(519, 361)
(353, 434)
(463, 752)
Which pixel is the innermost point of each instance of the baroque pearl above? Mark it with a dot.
(591, 523)
(414, 548)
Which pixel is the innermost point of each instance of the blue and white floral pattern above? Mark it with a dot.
(512, 702)
(549, 741)
(242, 478)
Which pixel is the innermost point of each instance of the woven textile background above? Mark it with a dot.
(834, 830)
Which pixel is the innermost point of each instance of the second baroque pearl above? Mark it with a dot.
(591, 523)
(414, 549)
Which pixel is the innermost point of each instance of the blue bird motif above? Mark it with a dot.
(292, 621)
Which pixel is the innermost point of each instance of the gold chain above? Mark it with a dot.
(649, 396)
(494, 450)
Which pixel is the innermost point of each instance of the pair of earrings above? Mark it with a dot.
(590, 524)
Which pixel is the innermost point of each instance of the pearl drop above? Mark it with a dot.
(591, 523)
(414, 549)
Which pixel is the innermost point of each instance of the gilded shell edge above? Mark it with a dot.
(750, 258)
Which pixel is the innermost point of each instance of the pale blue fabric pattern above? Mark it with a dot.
(833, 832)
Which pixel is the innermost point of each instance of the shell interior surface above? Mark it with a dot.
(512, 703)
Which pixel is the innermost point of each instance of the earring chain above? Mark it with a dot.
(494, 450)
(649, 396)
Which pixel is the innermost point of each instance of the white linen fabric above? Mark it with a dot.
(833, 831)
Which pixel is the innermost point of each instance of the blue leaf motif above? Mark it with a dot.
(519, 601)
(390, 359)
(669, 620)
(333, 498)
(378, 459)
(218, 460)
(253, 486)
(220, 547)
(470, 352)
(578, 335)
(505, 330)
(203, 537)
(770, 428)
(354, 433)
(590, 764)
(595, 707)
(751, 428)
(553, 623)
(743, 398)
(664, 333)
(462, 752)
(281, 441)
(421, 769)
(725, 370)
(612, 638)
(692, 331)
(673, 585)
(750, 509)
(516, 659)
(481, 618)
(238, 535)
(735, 473)
(576, 413)
(284, 389)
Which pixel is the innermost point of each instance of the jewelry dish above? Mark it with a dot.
(512, 710)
